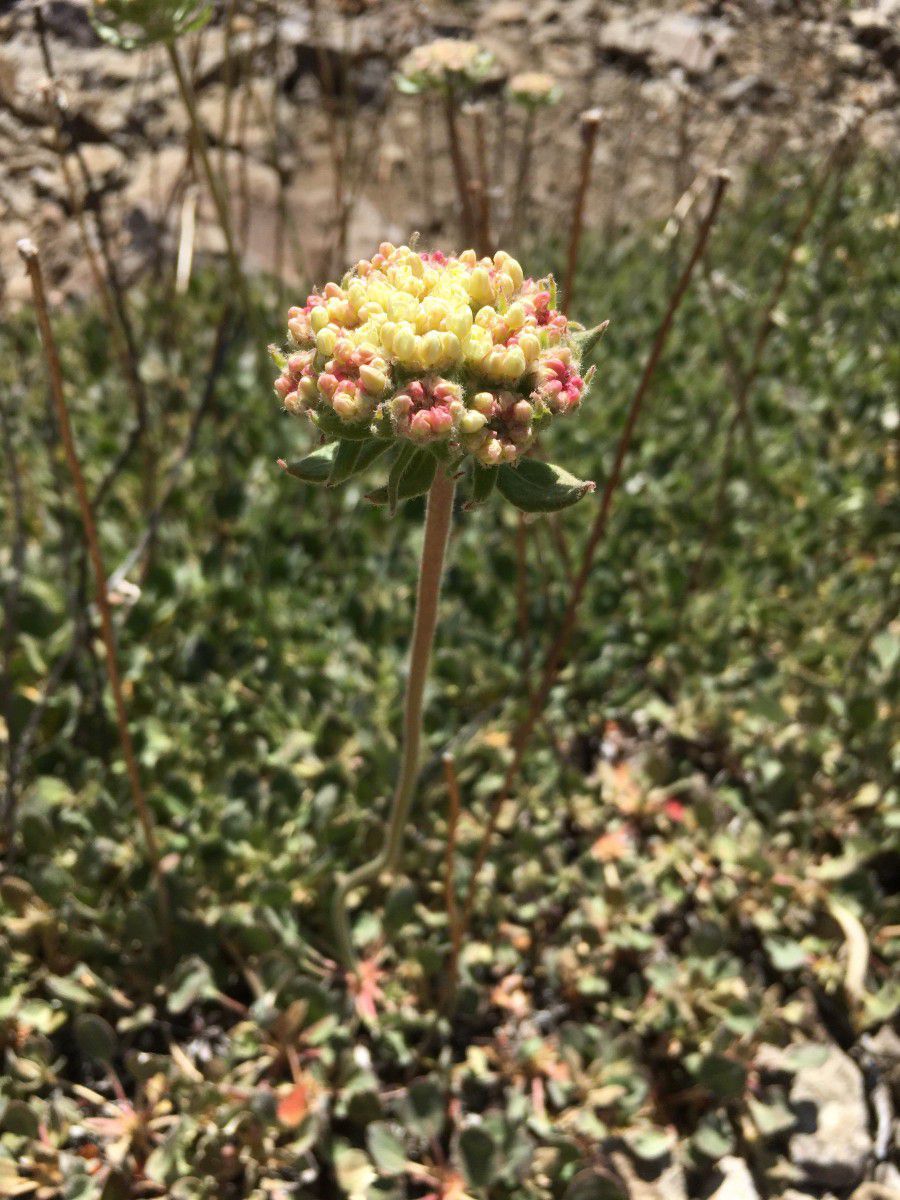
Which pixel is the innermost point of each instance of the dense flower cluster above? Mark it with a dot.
(443, 64)
(430, 348)
(533, 89)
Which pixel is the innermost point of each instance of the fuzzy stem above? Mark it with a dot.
(431, 566)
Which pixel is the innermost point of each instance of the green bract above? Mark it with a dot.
(133, 24)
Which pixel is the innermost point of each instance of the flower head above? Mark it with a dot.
(455, 351)
(444, 64)
(533, 89)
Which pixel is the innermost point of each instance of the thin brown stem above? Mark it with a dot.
(217, 194)
(483, 205)
(461, 175)
(590, 126)
(765, 325)
(523, 168)
(554, 657)
(105, 275)
(31, 258)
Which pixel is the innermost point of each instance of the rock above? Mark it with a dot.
(833, 1141)
(889, 1176)
(736, 1182)
(71, 23)
(695, 44)
(748, 89)
(650, 1181)
(875, 1191)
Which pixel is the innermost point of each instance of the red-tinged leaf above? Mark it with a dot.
(294, 1106)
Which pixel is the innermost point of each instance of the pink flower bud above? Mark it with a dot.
(420, 426)
(441, 421)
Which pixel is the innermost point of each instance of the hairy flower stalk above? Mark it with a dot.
(438, 514)
(447, 365)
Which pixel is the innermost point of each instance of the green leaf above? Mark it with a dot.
(316, 467)
(589, 338)
(723, 1076)
(535, 486)
(425, 1108)
(713, 1139)
(192, 981)
(352, 457)
(96, 1037)
(476, 1150)
(484, 480)
(328, 422)
(355, 1174)
(785, 954)
(593, 1185)
(411, 475)
(386, 1150)
(773, 1119)
(18, 1118)
(650, 1144)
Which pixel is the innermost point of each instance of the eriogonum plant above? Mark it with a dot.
(443, 65)
(533, 89)
(449, 70)
(449, 365)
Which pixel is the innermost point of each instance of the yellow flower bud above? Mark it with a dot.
(480, 288)
(373, 380)
(459, 321)
(483, 402)
(318, 318)
(326, 340)
(473, 421)
(504, 285)
(477, 344)
(451, 348)
(515, 316)
(495, 362)
(429, 349)
(404, 343)
(402, 307)
(530, 345)
(513, 269)
(514, 364)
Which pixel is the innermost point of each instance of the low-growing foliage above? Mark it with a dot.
(706, 827)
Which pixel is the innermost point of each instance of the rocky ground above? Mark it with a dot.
(684, 86)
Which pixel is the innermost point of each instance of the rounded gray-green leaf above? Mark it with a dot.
(540, 487)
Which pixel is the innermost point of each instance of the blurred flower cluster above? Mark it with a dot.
(444, 65)
(435, 349)
(533, 89)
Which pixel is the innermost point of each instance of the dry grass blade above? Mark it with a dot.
(30, 256)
